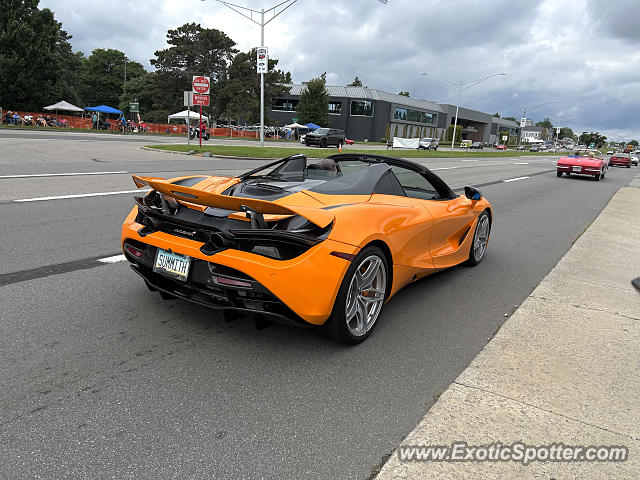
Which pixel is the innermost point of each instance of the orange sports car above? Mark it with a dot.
(309, 242)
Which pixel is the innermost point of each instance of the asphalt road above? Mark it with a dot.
(100, 378)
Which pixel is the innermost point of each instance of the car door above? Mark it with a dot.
(453, 215)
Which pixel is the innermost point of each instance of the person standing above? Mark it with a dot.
(94, 120)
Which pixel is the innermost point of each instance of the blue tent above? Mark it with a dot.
(102, 109)
(312, 126)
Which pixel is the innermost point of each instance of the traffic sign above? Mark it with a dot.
(134, 107)
(523, 122)
(201, 85)
(201, 100)
(262, 60)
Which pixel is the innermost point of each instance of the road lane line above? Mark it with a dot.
(514, 179)
(521, 163)
(444, 168)
(470, 160)
(113, 259)
(71, 174)
(80, 195)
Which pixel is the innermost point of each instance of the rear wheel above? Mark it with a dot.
(361, 297)
(480, 239)
(559, 173)
(323, 143)
(597, 177)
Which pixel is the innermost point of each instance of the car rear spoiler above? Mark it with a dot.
(317, 216)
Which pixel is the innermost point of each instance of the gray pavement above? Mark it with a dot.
(101, 378)
(562, 369)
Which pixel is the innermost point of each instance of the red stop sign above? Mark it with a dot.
(201, 85)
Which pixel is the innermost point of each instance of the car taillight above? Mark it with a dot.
(136, 252)
(232, 282)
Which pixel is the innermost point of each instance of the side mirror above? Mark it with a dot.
(472, 193)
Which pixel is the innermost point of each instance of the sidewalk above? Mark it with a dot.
(565, 368)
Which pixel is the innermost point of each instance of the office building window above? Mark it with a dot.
(362, 108)
(335, 107)
(285, 105)
(400, 114)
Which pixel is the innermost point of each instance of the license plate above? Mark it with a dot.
(172, 265)
(577, 169)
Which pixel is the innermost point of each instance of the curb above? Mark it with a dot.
(561, 370)
(213, 155)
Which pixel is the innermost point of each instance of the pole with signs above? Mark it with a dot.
(188, 100)
(201, 87)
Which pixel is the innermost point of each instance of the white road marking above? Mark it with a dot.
(81, 195)
(514, 179)
(470, 160)
(521, 163)
(444, 168)
(114, 259)
(71, 174)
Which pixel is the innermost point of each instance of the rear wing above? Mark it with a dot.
(317, 216)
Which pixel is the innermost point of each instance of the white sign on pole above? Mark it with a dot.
(188, 99)
(557, 131)
(505, 138)
(262, 60)
(523, 122)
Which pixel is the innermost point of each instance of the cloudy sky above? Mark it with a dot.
(583, 55)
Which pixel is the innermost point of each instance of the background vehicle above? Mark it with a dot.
(324, 137)
(634, 160)
(195, 132)
(622, 159)
(520, 147)
(501, 147)
(478, 145)
(428, 143)
(302, 137)
(534, 148)
(583, 162)
(323, 242)
(466, 143)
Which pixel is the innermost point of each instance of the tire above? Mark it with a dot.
(559, 173)
(629, 166)
(597, 177)
(323, 143)
(355, 315)
(480, 239)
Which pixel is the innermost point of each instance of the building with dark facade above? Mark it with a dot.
(369, 114)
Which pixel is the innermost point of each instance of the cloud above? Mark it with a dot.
(581, 54)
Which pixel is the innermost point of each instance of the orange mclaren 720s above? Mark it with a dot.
(307, 242)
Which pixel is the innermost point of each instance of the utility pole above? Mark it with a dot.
(248, 13)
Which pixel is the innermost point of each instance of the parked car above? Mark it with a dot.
(501, 147)
(466, 143)
(348, 141)
(324, 137)
(329, 258)
(428, 143)
(583, 162)
(302, 137)
(634, 160)
(609, 152)
(478, 145)
(520, 147)
(535, 148)
(622, 159)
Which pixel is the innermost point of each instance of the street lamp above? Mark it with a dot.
(248, 13)
(460, 87)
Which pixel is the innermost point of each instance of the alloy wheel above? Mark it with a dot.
(365, 296)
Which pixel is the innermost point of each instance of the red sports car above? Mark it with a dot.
(622, 159)
(348, 141)
(583, 162)
(501, 147)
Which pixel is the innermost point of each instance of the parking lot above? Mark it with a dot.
(132, 386)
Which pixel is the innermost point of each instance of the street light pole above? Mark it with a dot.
(248, 14)
(524, 115)
(460, 87)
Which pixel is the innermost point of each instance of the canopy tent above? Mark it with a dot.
(64, 106)
(295, 125)
(102, 109)
(312, 126)
(193, 116)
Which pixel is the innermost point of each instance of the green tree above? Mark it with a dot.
(458, 133)
(238, 96)
(592, 137)
(313, 105)
(565, 132)
(102, 76)
(497, 115)
(634, 143)
(546, 123)
(193, 50)
(510, 118)
(404, 93)
(356, 83)
(37, 66)
(387, 132)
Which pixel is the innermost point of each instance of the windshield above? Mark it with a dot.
(321, 131)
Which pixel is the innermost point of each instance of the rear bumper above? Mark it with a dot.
(582, 171)
(622, 164)
(306, 285)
